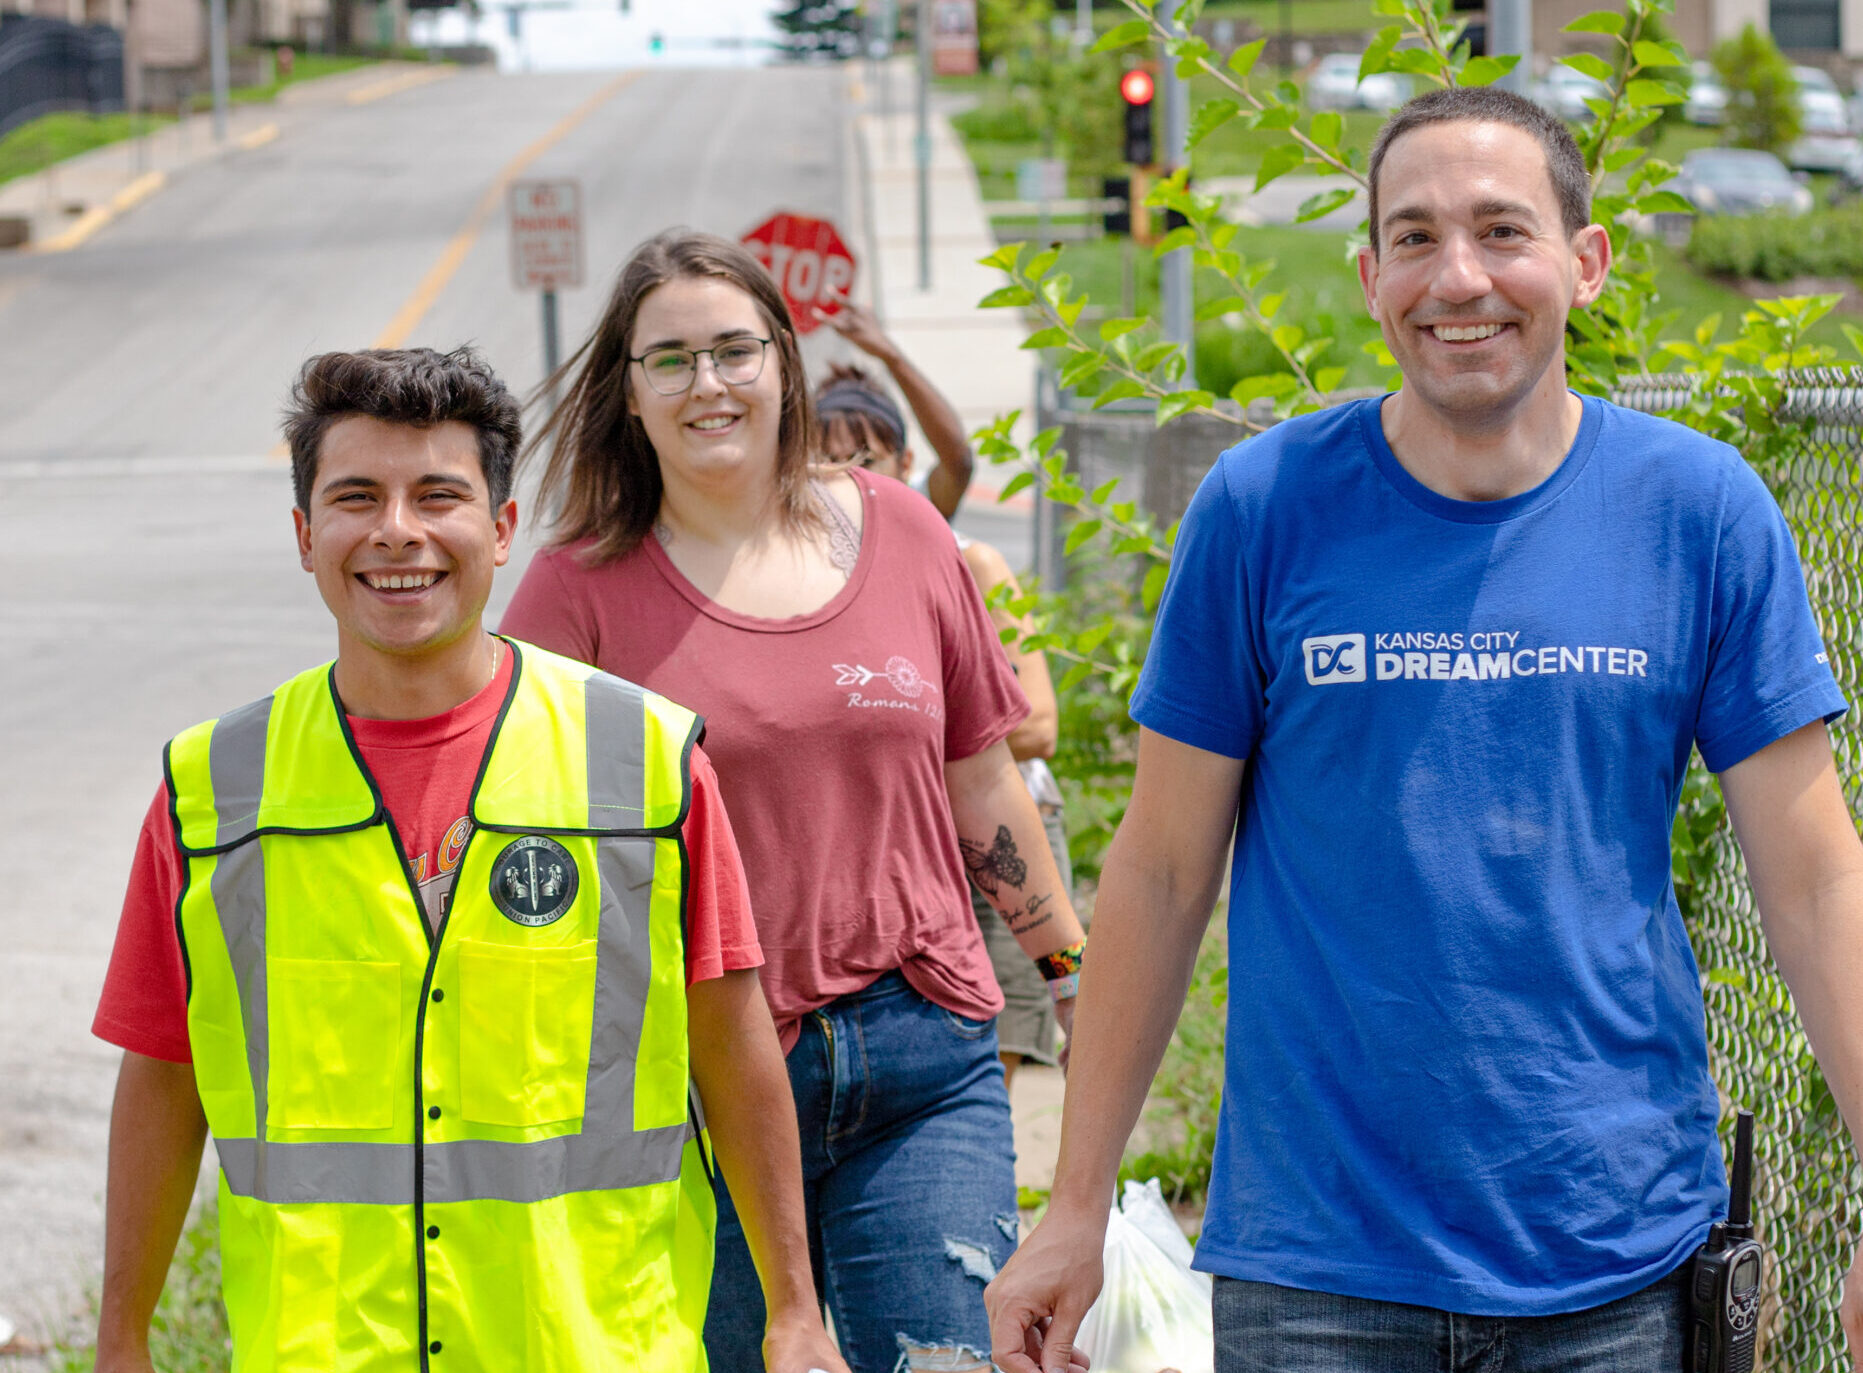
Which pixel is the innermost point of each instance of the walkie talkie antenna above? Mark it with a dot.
(1740, 1185)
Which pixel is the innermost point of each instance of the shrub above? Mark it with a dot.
(1762, 95)
(1777, 247)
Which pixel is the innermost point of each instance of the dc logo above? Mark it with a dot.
(1334, 658)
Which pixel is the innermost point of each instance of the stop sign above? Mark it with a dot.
(811, 264)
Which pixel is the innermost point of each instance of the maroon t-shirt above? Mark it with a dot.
(829, 732)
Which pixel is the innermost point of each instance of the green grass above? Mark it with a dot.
(51, 138)
(1304, 16)
(189, 1332)
(307, 67)
(39, 143)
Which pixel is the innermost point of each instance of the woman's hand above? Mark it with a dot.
(856, 324)
(797, 1342)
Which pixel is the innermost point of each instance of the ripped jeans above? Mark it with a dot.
(908, 1168)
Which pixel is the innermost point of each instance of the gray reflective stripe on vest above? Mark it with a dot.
(615, 721)
(463, 1170)
(608, 1153)
(238, 886)
(236, 763)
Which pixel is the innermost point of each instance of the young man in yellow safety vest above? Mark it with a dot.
(435, 940)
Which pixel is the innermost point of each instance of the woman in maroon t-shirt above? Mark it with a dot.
(857, 706)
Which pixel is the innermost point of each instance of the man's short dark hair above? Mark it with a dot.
(413, 386)
(1565, 164)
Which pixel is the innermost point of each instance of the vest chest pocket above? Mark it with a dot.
(525, 1020)
(335, 1032)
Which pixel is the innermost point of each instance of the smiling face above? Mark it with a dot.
(853, 440)
(401, 535)
(1477, 273)
(714, 431)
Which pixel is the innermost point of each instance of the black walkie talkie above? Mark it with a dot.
(1724, 1291)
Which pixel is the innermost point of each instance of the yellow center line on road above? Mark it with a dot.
(409, 316)
(259, 137)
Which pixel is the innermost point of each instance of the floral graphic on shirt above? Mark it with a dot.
(900, 672)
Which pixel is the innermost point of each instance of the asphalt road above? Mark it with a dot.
(145, 551)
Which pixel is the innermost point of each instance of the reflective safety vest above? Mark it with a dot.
(466, 1150)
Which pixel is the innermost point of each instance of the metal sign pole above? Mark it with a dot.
(1174, 283)
(1510, 30)
(921, 147)
(216, 55)
(552, 344)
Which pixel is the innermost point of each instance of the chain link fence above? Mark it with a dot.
(1808, 1187)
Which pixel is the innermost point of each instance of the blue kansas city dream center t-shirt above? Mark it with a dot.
(1467, 1064)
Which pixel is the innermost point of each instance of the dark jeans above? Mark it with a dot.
(908, 1170)
(1261, 1328)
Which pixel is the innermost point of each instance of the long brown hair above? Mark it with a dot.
(602, 476)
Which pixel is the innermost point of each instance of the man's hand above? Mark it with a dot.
(1042, 1294)
(798, 1343)
(856, 324)
(1850, 1310)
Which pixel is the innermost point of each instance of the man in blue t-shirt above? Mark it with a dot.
(1437, 662)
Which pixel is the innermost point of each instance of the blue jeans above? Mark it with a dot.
(1261, 1328)
(908, 1169)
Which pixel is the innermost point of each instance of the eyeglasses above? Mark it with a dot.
(671, 371)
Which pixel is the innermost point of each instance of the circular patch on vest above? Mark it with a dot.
(533, 880)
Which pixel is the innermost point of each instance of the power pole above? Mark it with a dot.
(216, 61)
(1174, 283)
(1510, 29)
(921, 145)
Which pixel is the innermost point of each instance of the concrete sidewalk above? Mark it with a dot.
(68, 202)
(974, 356)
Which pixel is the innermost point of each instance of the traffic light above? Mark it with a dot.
(1136, 88)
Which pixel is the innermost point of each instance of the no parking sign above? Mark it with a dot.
(810, 263)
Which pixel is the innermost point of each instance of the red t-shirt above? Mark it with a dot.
(426, 770)
(830, 732)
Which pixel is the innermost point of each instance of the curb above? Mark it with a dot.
(97, 216)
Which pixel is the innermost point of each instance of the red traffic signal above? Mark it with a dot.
(1136, 88)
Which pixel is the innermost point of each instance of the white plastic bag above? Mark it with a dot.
(1154, 1312)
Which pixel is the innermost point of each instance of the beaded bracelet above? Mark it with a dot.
(1062, 961)
(1061, 988)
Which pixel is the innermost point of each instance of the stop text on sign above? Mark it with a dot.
(810, 264)
(546, 234)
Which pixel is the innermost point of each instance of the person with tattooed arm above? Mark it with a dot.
(857, 702)
(863, 427)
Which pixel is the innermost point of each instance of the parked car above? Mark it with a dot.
(1740, 181)
(1707, 97)
(1564, 91)
(1826, 142)
(1334, 85)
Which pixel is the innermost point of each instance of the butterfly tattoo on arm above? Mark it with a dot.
(997, 866)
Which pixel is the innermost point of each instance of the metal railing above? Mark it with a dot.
(48, 65)
(1808, 1191)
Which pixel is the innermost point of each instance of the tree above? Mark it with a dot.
(820, 28)
(1762, 93)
